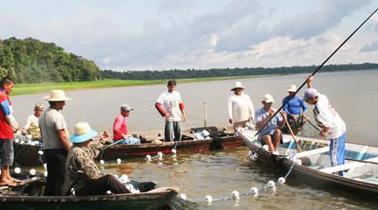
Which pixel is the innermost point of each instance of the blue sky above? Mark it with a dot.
(182, 34)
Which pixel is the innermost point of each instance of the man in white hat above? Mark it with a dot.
(330, 122)
(294, 107)
(271, 134)
(240, 107)
(120, 131)
(171, 107)
(82, 176)
(32, 124)
(56, 141)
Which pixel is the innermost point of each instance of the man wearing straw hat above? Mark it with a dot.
(82, 176)
(271, 135)
(294, 107)
(56, 141)
(240, 107)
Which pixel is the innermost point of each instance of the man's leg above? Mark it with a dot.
(177, 130)
(61, 156)
(6, 160)
(277, 138)
(168, 131)
(267, 139)
(103, 184)
(51, 173)
(337, 151)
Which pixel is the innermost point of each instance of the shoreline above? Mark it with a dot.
(29, 89)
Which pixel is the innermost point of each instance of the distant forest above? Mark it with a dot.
(32, 61)
(229, 72)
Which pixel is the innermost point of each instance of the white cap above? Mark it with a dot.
(292, 88)
(310, 93)
(237, 85)
(268, 98)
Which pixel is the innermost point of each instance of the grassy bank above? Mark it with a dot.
(26, 89)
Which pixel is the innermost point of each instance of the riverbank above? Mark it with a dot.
(27, 89)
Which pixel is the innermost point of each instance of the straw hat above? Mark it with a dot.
(268, 98)
(83, 132)
(56, 95)
(237, 85)
(292, 88)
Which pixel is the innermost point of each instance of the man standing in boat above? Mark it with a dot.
(330, 122)
(271, 134)
(81, 172)
(240, 107)
(56, 141)
(171, 107)
(8, 126)
(120, 130)
(294, 107)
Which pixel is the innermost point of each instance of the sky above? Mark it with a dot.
(126, 35)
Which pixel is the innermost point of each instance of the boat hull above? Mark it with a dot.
(302, 174)
(156, 199)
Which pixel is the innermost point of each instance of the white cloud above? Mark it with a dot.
(182, 34)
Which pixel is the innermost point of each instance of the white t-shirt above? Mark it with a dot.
(50, 122)
(240, 108)
(326, 116)
(171, 103)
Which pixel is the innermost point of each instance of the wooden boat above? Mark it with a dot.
(158, 198)
(311, 165)
(218, 139)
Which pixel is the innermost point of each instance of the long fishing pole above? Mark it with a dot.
(317, 69)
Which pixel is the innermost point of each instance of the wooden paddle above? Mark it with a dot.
(298, 147)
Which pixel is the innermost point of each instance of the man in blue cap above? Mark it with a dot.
(331, 125)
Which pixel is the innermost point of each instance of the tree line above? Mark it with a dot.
(32, 61)
(229, 72)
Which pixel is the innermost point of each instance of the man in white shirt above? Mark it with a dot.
(32, 125)
(240, 107)
(330, 122)
(170, 106)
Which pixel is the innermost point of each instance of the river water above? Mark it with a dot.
(353, 94)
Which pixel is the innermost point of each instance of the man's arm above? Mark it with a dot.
(62, 134)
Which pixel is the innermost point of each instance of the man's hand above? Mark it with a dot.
(309, 81)
(167, 116)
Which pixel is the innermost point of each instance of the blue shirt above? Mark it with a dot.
(294, 106)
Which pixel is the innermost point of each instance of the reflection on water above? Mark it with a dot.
(353, 94)
(218, 174)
